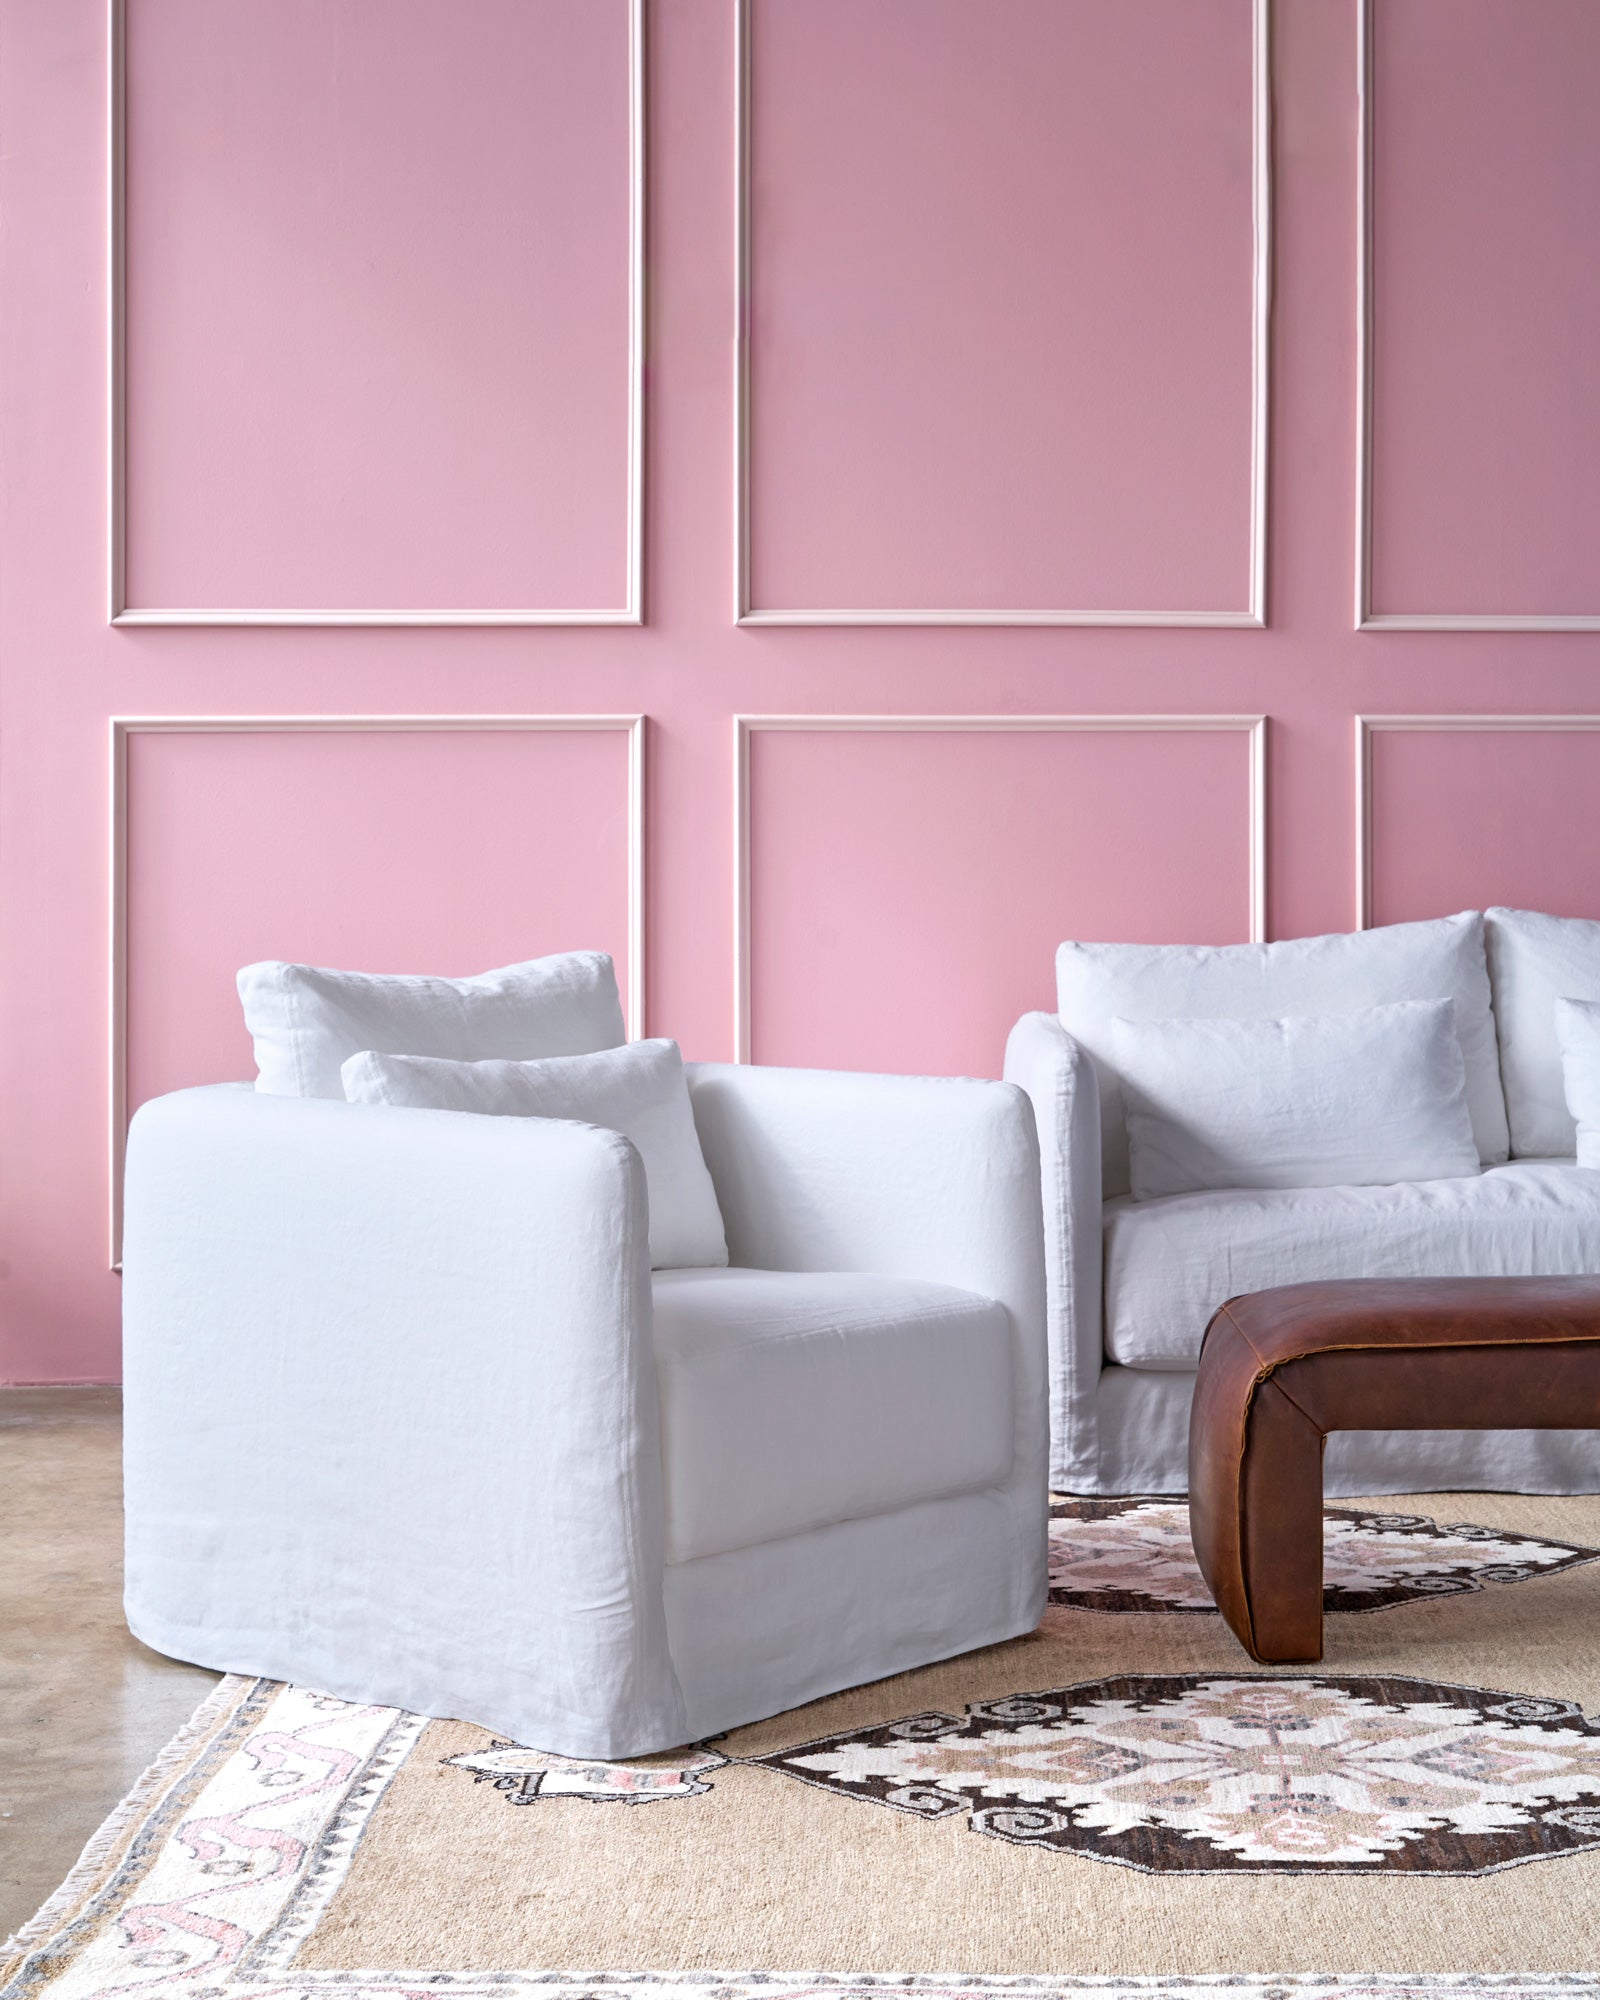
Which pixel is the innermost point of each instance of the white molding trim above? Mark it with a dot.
(1366, 619)
(122, 727)
(121, 613)
(1369, 726)
(1254, 727)
(1255, 613)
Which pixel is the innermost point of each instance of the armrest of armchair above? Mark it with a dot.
(391, 1403)
(906, 1176)
(916, 1177)
(1060, 1080)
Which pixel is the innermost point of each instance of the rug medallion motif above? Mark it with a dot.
(1179, 1771)
(1135, 1555)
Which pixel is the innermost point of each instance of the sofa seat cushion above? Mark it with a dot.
(794, 1399)
(1171, 1263)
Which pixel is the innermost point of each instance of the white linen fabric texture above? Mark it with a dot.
(1578, 1026)
(1534, 961)
(307, 1019)
(1170, 1264)
(1441, 959)
(639, 1091)
(1315, 1100)
(792, 1400)
(399, 1371)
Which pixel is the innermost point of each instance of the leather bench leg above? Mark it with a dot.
(1280, 1536)
(1255, 1505)
(1280, 1369)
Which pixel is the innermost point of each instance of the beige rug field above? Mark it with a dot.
(1119, 1802)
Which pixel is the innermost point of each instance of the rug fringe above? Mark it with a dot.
(108, 1837)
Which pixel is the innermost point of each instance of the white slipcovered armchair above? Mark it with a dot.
(408, 1417)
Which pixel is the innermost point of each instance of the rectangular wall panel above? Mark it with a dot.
(905, 881)
(1005, 306)
(376, 317)
(1459, 812)
(389, 848)
(1481, 423)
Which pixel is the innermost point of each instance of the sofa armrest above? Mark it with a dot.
(412, 1349)
(1060, 1080)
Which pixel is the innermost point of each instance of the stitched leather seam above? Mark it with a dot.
(1249, 1634)
(1376, 1346)
(1240, 1513)
(1272, 1376)
(1260, 1382)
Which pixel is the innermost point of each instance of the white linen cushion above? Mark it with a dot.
(307, 1020)
(1170, 1264)
(791, 1400)
(639, 1091)
(1316, 1100)
(1441, 959)
(1534, 961)
(1578, 1026)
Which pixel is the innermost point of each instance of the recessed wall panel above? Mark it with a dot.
(390, 851)
(1463, 817)
(1485, 308)
(1001, 313)
(378, 290)
(907, 888)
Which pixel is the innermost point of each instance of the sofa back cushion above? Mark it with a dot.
(307, 1019)
(1578, 1025)
(1442, 959)
(1534, 961)
(1369, 1098)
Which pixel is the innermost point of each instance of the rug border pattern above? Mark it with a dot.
(110, 1865)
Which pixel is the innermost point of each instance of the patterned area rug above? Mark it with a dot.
(1118, 1804)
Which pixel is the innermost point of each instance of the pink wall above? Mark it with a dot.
(287, 844)
(907, 886)
(1000, 271)
(377, 303)
(969, 386)
(1487, 401)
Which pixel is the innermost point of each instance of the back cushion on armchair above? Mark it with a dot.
(307, 1019)
(1534, 961)
(1442, 959)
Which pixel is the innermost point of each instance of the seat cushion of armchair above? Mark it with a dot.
(791, 1400)
(1171, 1263)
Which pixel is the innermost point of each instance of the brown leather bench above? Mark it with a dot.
(1280, 1369)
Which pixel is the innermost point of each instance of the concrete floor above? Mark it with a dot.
(83, 1706)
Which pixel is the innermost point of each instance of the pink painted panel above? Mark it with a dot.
(1486, 399)
(1462, 819)
(1001, 304)
(908, 890)
(384, 851)
(377, 303)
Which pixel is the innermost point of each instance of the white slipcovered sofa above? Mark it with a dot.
(1133, 1283)
(410, 1418)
